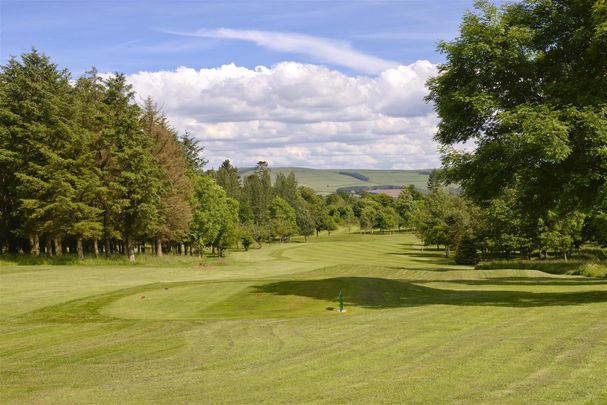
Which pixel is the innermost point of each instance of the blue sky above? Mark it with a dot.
(375, 56)
(128, 36)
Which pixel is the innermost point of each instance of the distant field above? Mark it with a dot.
(327, 181)
(261, 327)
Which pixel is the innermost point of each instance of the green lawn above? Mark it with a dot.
(261, 327)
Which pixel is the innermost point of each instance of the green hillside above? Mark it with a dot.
(329, 180)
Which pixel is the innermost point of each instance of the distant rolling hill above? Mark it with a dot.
(327, 181)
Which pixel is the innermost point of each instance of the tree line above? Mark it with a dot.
(497, 229)
(86, 167)
(281, 209)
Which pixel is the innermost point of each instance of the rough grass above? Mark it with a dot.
(571, 267)
(591, 270)
(114, 260)
(262, 327)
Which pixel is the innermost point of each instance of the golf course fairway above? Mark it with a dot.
(263, 327)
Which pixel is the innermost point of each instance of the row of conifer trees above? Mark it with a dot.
(86, 166)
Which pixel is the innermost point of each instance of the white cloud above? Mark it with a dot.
(325, 50)
(295, 114)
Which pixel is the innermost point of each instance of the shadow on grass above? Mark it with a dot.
(445, 269)
(381, 293)
(434, 255)
(422, 257)
(538, 281)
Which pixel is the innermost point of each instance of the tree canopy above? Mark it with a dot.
(527, 85)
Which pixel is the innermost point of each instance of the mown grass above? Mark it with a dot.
(262, 327)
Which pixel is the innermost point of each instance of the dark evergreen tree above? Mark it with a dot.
(227, 177)
(130, 171)
(193, 153)
(466, 252)
(174, 211)
(257, 189)
(48, 179)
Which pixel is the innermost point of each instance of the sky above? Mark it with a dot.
(322, 84)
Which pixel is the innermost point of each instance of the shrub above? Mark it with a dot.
(247, 241)
(466, 251)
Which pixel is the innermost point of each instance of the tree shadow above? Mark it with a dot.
(538, 281)
(418, 254)
(434, 258)
(444, 269)
(378, 293)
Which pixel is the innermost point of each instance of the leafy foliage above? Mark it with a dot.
(527, 83)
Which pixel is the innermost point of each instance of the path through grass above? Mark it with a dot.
(261, 327)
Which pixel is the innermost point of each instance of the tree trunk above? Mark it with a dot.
(35, 245)
(58, 247)
(49, 248)
(79, 248)
(182, 247)
(95, 248)
(158, 247)
(107, 247)
(130, 250)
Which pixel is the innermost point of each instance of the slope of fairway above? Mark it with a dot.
(262, 327)
(328, 180)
